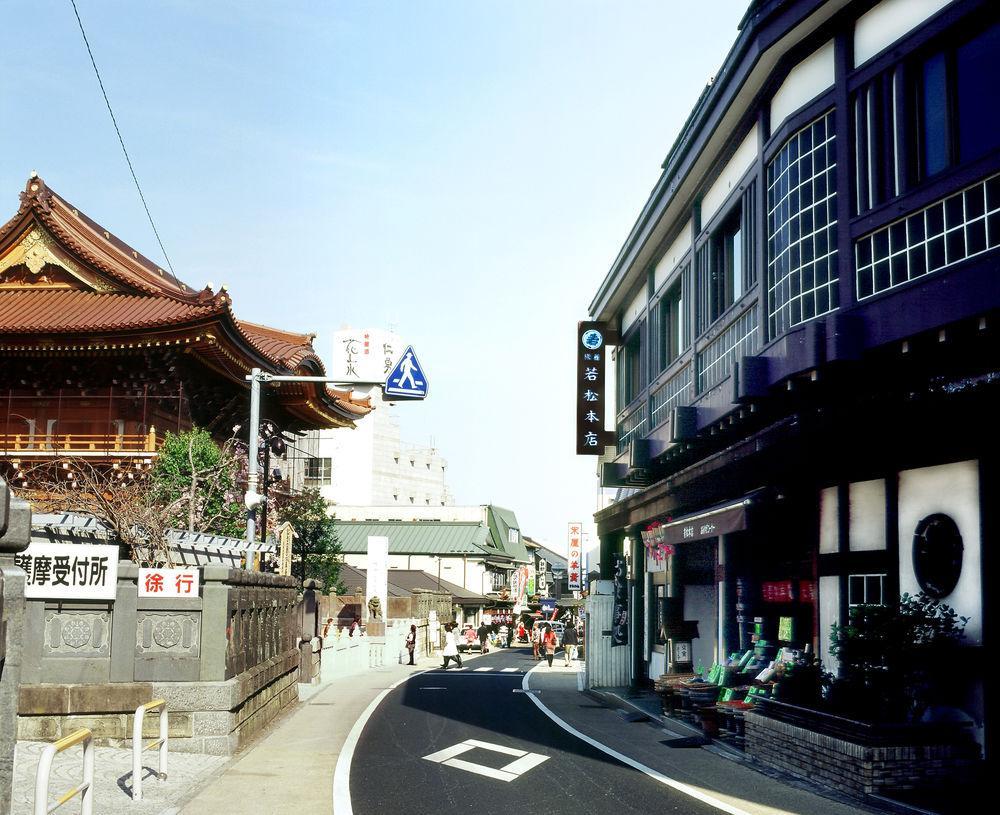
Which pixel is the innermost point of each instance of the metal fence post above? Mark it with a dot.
(137, 748)
(85, 789)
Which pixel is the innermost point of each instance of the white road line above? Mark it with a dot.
(522, 765)
(666, 780)
(342, 774)
(449, 752)
(508, 670)
(496, 748)
(479, 769)
(478, 670)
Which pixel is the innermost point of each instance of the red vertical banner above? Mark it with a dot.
(574, 557)
(591, 437)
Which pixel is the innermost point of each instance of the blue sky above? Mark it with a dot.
(463, 171)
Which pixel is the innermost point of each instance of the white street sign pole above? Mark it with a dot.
(255, 378)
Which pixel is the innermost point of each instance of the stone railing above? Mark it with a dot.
(226, 662)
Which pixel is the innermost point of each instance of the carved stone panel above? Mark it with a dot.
(77, 633)
(168, 632)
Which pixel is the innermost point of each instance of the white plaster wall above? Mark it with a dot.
(880, 27)
(742, 160)
(829, 613)
(657, 665)
(635, 309)
(804, 82)
(867, 513)
(954, 490)
(829, 534)
(467, 514)
(672, 256)
(700, 604)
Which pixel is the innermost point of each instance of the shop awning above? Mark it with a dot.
(708, 523)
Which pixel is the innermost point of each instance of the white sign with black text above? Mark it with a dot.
(69, 571)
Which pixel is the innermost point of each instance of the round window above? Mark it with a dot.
(937, 555)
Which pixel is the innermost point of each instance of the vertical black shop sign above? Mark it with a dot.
(619, 612)
(591, 437)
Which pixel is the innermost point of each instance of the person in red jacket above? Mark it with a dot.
(549, 641)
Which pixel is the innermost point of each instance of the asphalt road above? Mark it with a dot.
(470, 740)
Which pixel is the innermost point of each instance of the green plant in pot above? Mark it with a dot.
(892, 657)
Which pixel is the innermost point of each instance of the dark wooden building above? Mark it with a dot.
(808, 377)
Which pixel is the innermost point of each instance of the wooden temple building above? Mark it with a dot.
(102, 352)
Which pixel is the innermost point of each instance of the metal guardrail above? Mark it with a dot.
(85, 789)
(137, 748)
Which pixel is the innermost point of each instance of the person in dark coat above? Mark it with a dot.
(411, 643)
(484, 633)
(570, 642)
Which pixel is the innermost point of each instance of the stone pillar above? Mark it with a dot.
(15, 535)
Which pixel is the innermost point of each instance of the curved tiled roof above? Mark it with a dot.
(147, 297)
(44, 312)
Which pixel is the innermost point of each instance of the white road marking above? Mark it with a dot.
(449, 752)
(481, 769)
(342, 774)
(666, 780)
(496, 748)
(477, 670)
(519, 766)
(429, 687)
(508, 670)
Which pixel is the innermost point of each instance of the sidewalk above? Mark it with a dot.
(718, 772)
(290, 770)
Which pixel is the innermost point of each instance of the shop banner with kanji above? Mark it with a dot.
(574, 557)
(69, 571)
(619, 613)
(591, 437)
(169, 582)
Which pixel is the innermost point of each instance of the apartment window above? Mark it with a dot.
(944, 233)
(957, 103)
(802, 275)
(669, 317)
(866, 590)
(726, 266)
(630, 368)
(318, 472)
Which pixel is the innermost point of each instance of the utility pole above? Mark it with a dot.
(256, 377)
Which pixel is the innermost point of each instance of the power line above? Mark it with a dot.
(121, 141)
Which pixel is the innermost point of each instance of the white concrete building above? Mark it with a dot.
(370, 465)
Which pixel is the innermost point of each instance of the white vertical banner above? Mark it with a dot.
(574, 557)
(378, 572)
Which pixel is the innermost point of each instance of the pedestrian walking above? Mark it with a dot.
(536, 641)
(549, 641)
(411, 643)
(569, 644)
(484, 635)
(510, 635)
(450, 647)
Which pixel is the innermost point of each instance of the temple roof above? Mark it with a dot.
(68, 283)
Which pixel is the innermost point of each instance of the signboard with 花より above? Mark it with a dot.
(169, 582)
(69, 571)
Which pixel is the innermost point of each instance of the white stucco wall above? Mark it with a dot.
(867, 515)
(634, 310)
(736, 167)
(806, 81)
(952, 489)
(829, 528)
(700, 604)
(672, 256)
(887, 22)
(829, 612)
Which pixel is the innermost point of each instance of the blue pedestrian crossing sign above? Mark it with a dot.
(406, 380)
